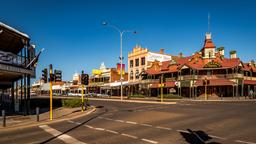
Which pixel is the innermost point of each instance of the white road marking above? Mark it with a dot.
(213, 136)
(150, 141)
(119, 120)
(108, 119)
(182, 131)
(78, 123)
(100, 117)
(64, 137)
(244, 142)
(101, 129)
(165, 128)
(130, 122)
(131, 136)
(89, 126)
(146, 125)
(112, 131)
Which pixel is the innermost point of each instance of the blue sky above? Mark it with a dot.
(71, 33)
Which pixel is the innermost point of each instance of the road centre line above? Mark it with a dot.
(213, 136)
(150, 141)
(131, 136)
(165, 128)
(244, 142)
(130, 122)
(182, 131)
(64, 137)
(114, 132)
(119, 120)
(146, 125)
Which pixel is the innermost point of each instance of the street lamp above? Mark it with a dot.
(121, 32)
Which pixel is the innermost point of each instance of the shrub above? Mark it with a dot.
(71, 103)
(170, 96)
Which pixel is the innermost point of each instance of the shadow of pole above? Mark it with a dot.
(197, 137)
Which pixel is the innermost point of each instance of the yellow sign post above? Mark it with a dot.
(82, 97)
(162, 85)
(50, 91)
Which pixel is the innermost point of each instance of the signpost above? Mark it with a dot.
(51, 91)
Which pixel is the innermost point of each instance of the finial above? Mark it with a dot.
(209, 23)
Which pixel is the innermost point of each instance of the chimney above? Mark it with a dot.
(221, 51)
(252, 63)
(180, 55)
(232, 54)
(161, 51)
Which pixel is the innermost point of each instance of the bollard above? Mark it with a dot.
(37, 114)
(4, 118)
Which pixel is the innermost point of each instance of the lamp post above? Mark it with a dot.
(121, 32)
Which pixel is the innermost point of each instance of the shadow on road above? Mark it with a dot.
(197, 137)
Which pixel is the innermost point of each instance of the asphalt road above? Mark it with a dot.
(135, 123)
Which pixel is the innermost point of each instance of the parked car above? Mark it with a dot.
(103, 95)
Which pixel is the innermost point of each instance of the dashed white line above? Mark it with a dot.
(108, 119)
(217, 137)
(127, 135)
(150, 141)
(244, 142)
(101, 129)
(64, 137)
(130, 122)
(146, 125)
(78, 123)
(119, 120)
(89, 126)
(100, 117)
(165, 128)
(182, 131)
(112, 131)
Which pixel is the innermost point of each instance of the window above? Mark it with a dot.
(137, 74)
(131, 63)
(137, 62)
(131, 75)
(143, 61)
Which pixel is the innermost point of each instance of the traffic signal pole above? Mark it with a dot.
(50, 92)
(82, 97)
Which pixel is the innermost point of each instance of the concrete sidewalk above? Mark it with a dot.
(59, 114)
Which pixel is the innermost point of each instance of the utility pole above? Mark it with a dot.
(51, 78)
(82, 83)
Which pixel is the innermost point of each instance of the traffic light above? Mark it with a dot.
(84, 78)
(57, 75)
(51, 79)
(44, 75)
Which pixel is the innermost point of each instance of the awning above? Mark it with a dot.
(216, 82)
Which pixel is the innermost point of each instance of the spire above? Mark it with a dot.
(209, 23)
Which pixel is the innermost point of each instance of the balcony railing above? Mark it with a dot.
(217, 76)
(12, 59)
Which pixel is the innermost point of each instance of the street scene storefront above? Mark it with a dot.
(17, 61)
